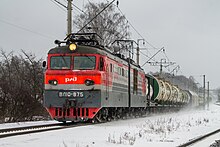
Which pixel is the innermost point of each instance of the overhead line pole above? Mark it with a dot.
(204, 101)
(138, 51)
(69, 17)
(208, 96)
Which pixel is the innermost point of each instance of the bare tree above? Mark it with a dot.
(109, 25)
(21, 87)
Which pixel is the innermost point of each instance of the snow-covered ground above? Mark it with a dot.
(157, 130)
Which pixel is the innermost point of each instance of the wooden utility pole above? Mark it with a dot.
(69, 17)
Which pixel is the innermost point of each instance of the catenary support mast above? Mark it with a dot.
(204, 100)
(69, 17)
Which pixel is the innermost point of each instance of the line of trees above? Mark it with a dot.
(21, 87)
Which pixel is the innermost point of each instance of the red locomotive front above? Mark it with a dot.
(73, 83)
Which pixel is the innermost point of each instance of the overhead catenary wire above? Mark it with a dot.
(136, 30)
(95, 16)
(132, 26)
(78, 8)
(58, 4)
(146, 55)
(138, 33)
(25, 29)
(150, 58)
(153, 56)
(102, 11)
(142, 35)
(61, 4)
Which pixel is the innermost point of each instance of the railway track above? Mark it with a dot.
(198, 139)
(37, 128)
(9, 132)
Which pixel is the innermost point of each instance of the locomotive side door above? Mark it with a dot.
(107, 81)
(104, 67)
(135, 81)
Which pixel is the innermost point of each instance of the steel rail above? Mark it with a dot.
(37, 128)
(195, 140)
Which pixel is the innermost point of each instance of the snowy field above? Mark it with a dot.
(160, 130)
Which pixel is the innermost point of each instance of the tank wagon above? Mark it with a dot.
(86, 81)
(163, 92)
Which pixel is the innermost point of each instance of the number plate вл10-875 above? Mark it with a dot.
(70, 94)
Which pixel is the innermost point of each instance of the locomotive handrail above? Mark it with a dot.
(83, 34)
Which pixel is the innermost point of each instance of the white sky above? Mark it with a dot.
(188, 29)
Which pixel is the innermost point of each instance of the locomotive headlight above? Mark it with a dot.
(53, 82)
(72, 47)
(89, 82)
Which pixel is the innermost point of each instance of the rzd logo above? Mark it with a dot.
(73, 79)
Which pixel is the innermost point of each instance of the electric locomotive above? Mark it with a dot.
(86, 81)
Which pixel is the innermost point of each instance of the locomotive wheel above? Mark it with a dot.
(109, 119)
(101, 116)
(98, 117)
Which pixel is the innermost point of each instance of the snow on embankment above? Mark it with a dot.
(156, 130)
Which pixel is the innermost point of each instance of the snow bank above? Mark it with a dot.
(156, 130)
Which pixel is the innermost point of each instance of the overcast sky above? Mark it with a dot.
(187, 29)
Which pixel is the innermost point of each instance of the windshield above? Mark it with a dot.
(60, 62)
(84, 62)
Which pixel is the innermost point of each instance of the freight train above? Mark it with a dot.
(86, 81)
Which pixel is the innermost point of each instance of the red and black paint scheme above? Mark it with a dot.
(85, 81)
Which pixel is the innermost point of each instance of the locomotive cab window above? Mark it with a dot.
(84, 62)
(60, 62)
